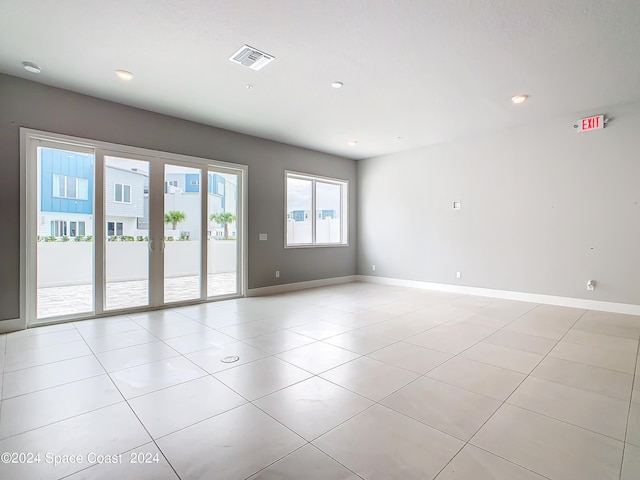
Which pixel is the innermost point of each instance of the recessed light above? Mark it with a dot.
(31, 67)
(352, 142)
(337, 84)
(124, 75)
(519, 99)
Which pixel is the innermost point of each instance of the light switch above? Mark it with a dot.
(263, 236)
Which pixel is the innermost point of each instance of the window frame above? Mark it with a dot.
(344, 209)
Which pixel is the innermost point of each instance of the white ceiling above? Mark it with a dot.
(425, 70)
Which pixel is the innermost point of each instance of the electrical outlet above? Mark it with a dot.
(373, 267)
(458, 275)
(277, 273)
(591, 285)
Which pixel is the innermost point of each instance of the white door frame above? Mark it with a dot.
(31, 139)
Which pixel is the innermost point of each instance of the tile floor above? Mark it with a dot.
(356, 381)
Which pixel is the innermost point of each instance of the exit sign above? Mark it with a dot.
(589, 123)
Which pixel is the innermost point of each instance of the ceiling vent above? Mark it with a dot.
(252, 58)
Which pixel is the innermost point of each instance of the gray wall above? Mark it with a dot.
(543, 210)
(32, 105)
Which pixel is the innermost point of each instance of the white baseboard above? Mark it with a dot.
(625, 308)
(11, 325)
(291, 287)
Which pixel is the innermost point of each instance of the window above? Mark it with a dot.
(170, 183)
(58, 228)
(70, 187)
(114, 228)
(316, 210)
(76, 228)
(122, 193)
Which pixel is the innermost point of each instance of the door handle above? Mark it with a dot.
(150, 245)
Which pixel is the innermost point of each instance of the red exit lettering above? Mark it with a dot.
(592, 123)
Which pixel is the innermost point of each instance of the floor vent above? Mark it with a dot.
(251, 57)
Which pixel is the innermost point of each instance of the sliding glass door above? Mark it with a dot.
(113, 231)
(183, 230)
(126, 231)
(223, 239)
(63, 218)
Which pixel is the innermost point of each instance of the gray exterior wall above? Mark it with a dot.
(543, 210)
(33, 105)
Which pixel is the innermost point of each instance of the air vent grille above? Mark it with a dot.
(251, 57)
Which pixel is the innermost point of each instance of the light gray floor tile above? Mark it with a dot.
(380, 444)
(476, 464)
(509, 358)
(43, 339)
(142, 463)
(550, 447)
(247, 330)
(306, 463)
(198, 341)
(494, 382)
(521, 341)
(631, 463)
(410, 357)
(580, 375)
(107, 431)
(231, 446)
(399, 328)
(262, 377)
(175, 328)
(120, 340)
(278, 342)
(606, 342)
(18, 359)
(324, 402)
(455, 411)
(536, 324)
(360, 342)
(37, 409)
(103, 327)
(633, 429)
(136, 381)
(443, 341)
(37, 378)
(188, 402)
(601, 414)
(211, 358)
(53, 383)
(317, 357)
(614, 324)
(508, 309)
(370, 378)
(128, 357)
(598, 357)
(320, 329)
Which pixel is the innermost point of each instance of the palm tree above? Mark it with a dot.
(224, 219)
(174, 217)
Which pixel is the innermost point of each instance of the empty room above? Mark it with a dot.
(320, 240)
